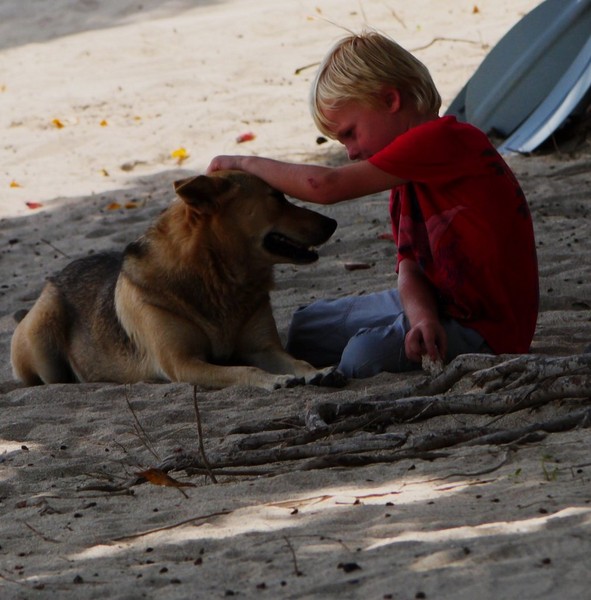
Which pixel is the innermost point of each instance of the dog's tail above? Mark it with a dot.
(19, 315)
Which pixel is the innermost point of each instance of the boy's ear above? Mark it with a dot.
(393, 99)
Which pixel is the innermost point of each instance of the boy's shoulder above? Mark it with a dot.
(440, 151)
(447, 125)
(444, 134)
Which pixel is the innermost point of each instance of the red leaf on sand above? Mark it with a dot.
(245, 137)
(34, 205)
(159, 477)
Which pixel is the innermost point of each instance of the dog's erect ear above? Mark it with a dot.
(204, 193)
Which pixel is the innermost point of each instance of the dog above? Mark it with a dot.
(188, 301)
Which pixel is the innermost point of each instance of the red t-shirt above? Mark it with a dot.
(464, 219)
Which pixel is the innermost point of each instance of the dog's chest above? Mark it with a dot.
(225, 340)
(227, 312)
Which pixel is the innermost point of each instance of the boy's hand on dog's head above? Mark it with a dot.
(224, 163)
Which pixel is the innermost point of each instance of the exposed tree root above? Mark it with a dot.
(379, 428)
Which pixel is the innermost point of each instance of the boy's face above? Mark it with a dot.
(364, 129)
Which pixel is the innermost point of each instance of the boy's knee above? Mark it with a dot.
(371, 351)
(351, 368)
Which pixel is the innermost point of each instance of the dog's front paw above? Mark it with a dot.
(329, 377)
(287, 381)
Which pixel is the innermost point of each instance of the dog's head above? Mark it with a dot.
(240, 206)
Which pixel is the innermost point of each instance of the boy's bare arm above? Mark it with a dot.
(426, 335)
(312, 183)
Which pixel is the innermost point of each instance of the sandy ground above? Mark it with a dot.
(102, 106)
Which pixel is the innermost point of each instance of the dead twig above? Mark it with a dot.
(395, 15)
(448, 39)
(305, 67)
(486, 471)
(139, 430)
(132, 536)
(200, 436)
(41, 535)
(56, 248)
(294, 559)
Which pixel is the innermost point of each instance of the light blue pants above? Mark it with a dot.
(364, 335)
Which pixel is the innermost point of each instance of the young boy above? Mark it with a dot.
(467, 267)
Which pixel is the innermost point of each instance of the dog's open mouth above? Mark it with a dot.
(278, 244)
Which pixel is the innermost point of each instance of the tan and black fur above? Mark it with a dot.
(188, 301)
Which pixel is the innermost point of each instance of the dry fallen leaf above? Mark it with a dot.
(103, 123)
(245, 137)
(180, 154)
(159, 477)
(15, 184)
(34, 205)
(116, 206)
(57, 123)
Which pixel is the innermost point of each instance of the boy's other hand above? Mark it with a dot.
(426, 337)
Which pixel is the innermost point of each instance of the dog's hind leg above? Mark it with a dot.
(37, 350)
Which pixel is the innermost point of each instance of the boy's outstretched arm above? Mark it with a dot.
(312, 183)
(426, 335)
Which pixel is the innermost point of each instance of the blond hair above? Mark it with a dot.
(359, 66)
